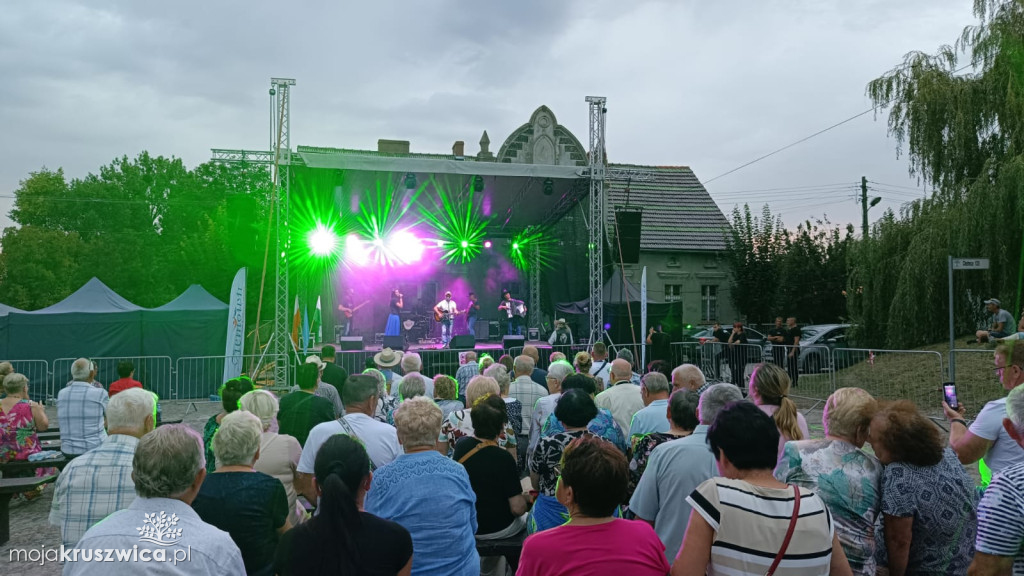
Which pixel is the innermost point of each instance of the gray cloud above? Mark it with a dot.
(706, 84)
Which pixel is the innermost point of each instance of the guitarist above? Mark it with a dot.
(445, 312)
(348, 309)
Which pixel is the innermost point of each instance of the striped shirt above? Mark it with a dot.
(80, 409)
(93, 486)
(750, 523)
(1001, 517)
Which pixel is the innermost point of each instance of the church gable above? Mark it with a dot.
(543, 140)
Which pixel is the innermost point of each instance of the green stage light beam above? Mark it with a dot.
(380, 216)
(525, 242)
(317, 225)
(322, 240)
(458, 226)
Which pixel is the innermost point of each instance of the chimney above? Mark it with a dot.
(459, 149)
(393, 146)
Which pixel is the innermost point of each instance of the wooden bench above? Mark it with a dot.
(49, 435)
(17, 466)
(510, 548)
(166, 422)
(8, 488)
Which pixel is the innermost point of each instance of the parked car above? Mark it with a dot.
(816, 345)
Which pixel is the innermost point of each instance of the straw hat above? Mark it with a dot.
(560, 322)
(387, 358)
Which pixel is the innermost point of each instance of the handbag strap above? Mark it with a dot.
(483, 444)
(789, 532)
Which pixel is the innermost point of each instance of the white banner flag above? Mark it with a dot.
(643, 317)
(236, 329)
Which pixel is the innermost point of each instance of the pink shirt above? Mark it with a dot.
(801, 423)
(615, 548)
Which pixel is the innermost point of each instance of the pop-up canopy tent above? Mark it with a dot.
(96, 322)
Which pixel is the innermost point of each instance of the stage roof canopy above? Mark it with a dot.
(513, 195)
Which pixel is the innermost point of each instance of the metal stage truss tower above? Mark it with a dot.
(598, 214)
(279, 156)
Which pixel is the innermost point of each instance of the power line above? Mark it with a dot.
(818, 133)
(787, 188)
(919, 189)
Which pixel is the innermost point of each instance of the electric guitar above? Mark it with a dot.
(440, 315)
(350, 311)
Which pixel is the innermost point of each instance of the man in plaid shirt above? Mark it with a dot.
(99, 483)
(80, 407)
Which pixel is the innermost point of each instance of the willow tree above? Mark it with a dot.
(959, 113)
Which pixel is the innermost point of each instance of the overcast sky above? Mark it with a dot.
(711, 85)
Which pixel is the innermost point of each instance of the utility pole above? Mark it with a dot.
(864, 204)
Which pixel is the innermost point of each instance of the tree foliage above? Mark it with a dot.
(148, 227)
(964, 133)
(778, 272)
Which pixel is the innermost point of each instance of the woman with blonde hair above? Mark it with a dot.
(841, 473)
(769, 390)
(446, 394)
(279, 453)
(459, 423)
(583, 362)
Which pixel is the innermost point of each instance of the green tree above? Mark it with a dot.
(754, 247)
(964, 133)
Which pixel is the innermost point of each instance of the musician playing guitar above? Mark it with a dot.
(514, 312)
(348, 309)
(445, 312)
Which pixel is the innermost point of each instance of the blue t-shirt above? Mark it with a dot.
(250, 506)
(432, 498)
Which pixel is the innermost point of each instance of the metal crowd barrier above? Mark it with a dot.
(155, 372)
(199, 377)
(975, 378)
(914, 375)
(40, 385)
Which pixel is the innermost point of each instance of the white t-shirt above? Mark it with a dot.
(989, 425)
(602, 370)
(380, 439)
(447, 306)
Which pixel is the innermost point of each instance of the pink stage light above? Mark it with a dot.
(357, 253)
(487, 243)
(405, 247)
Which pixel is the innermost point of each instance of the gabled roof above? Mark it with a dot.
(94, 298)
(192, 299)
(678, 213)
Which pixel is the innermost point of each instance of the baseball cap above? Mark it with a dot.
(994, 301)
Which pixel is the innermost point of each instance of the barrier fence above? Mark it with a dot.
(886, 374)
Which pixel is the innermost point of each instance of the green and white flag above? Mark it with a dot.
(316, 327)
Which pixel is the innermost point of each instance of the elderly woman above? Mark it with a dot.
(279, 453)
(575, 410)
(386, 402)
(459, 424)
(682, 416)
(513, 406)
(20, 418)
(844, 476)
(494, 476)
(485, 363)
(506, 361)
(428, 494)
(230, 393)
(752, 511)
(593, 481)
(928, 499)
(603, 424)
(412, 385)
(769, 390)
(446, 394)
(250, 506)
(342, 538)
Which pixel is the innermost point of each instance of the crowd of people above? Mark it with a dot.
(602, 469)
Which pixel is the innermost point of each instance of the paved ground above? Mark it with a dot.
(30, 527)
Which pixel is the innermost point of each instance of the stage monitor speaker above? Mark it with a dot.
(463, 342)
(628, 224)
(350, 342)
(394, 342)
(508, 342)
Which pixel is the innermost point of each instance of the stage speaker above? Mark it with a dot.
(463, 341)
(512, 342)
(394, 342)
(493, 330)
(350, 342)
(483, 329)
(628, 224)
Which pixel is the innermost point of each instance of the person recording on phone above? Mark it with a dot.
(986, 437)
